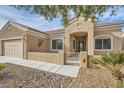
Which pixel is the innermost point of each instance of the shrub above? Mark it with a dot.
(114, 62)
(2, 66)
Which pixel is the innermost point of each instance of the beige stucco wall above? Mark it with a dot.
(10, 32)
(117, 40)
(123, 44)
(0, 48)
(32, 44)
(87, 27)
(57, 58)
(83, 59)
(29, 38)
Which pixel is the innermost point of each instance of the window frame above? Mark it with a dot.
(104, 37)
(57, 49)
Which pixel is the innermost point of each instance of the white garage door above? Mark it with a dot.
(13, 48)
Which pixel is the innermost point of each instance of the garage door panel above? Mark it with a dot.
(13, 48)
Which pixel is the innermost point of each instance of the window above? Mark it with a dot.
(53, 44)
(98, 43)
(107, 43)
(103, 43)
(57, 44)
(74, 42)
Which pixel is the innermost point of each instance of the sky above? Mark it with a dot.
(40, 23)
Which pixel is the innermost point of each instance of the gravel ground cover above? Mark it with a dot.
(94, 78)
(14, 76)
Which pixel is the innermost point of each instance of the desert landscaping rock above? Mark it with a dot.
(14, 76)
(94, 78)
(19, 76)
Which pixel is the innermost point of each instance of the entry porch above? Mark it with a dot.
(78, 49)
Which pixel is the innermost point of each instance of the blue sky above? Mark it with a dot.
(40, 23)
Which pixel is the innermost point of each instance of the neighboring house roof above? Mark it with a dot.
(23, 27)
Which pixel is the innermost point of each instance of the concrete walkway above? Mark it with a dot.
(68, 70)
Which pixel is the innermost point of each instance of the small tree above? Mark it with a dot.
(115, 63)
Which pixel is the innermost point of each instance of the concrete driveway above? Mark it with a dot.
(68, 70)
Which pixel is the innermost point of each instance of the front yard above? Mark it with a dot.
(94, 78)
(19, 76)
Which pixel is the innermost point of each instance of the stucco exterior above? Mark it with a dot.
(85, 28)
(116, 40)
(33, 41)
(56, 58)
(78, 32)
(29, 38)
(10, 32)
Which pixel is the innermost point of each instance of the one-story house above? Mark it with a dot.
(78, 40)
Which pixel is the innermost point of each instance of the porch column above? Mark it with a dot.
(91, 41)
(25, 52)
(67, 42)
(83, 59)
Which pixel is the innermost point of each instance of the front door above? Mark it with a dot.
(80, 46)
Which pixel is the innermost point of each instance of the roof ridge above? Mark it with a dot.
(33, 29)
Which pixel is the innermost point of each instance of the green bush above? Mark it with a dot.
(2, 66)
(114, 62)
